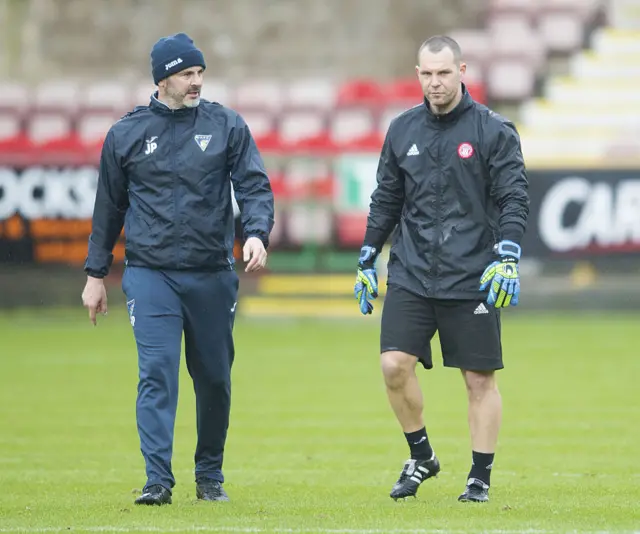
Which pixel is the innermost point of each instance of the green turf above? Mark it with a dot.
(313, 446)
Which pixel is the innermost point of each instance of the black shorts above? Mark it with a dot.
(469, 330)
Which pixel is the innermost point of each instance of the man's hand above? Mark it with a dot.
(94, 297)
(366, 279)
(255, 254)
(502, 276)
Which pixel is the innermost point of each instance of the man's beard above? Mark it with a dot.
(191, 102)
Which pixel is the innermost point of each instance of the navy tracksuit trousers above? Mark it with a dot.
(162, 305)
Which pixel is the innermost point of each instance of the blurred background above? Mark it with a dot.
(318, 83)
(313, 444)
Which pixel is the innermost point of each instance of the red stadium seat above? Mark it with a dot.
(10, 128)
(15, 97)
(93, 127)
(307, 93)
(44, 129)
(350, 127)
(259, 95)
(303, 130)
(262, 125)
(406, 92)
(350, 228)
(57, 95)
(361, 93)
(105, 96)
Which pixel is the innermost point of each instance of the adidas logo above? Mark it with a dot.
(480, 309)
(413, 151)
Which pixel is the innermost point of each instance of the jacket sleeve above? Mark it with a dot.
(508, 181)
(387, 199)
(251, 184)
(111, 204)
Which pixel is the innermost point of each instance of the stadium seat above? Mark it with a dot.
(57, 95)
(105, 96)
(520, 7)
(404, 92)
(9, 127)
(477, 91)
(143, 94)
(308, 93)
(259, 94)
(11, 135)
(475, 46)
(49, 129)
(93, 127)
(530, 47)
(15, 96)
(561, 31)
(361, 93)
(300, 130)
(510, 79)
(352, 127)
(385, 118)
(278, 184)
(262, 125)
(217, 91)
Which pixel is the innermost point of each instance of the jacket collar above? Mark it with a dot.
(161, 108)
(465, 103)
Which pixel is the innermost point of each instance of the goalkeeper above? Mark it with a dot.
(451, 180)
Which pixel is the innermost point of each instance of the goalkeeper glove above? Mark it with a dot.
(502, 276)
(367, 279)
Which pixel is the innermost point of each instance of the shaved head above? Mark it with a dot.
(440, 70)
(438, 43)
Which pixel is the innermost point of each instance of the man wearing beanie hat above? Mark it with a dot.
(166, 176)
(176, 55)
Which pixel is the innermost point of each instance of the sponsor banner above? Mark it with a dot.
(583, 214)
(573, 214)
(45, 214)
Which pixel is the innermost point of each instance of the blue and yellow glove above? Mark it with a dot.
(502, 276)
(367, 279)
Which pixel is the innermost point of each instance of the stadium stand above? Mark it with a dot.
(511, 57)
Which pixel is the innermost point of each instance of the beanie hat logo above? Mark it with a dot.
(173, 63)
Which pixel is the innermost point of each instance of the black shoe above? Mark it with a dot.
(414, 473)
(476, 491)
(210, 490)
(155, 494)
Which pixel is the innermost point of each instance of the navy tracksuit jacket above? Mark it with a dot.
(166, 175)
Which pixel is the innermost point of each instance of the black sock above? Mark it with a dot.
(481, 467)
(419, 444)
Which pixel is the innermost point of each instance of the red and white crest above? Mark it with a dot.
(465, 150)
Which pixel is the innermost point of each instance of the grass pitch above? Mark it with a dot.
(313, 445)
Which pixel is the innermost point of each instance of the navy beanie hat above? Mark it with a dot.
(173, 54)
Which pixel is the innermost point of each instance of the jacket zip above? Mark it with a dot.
(437, 245)
(176, 216)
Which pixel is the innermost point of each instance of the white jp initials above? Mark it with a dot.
(151, 145)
